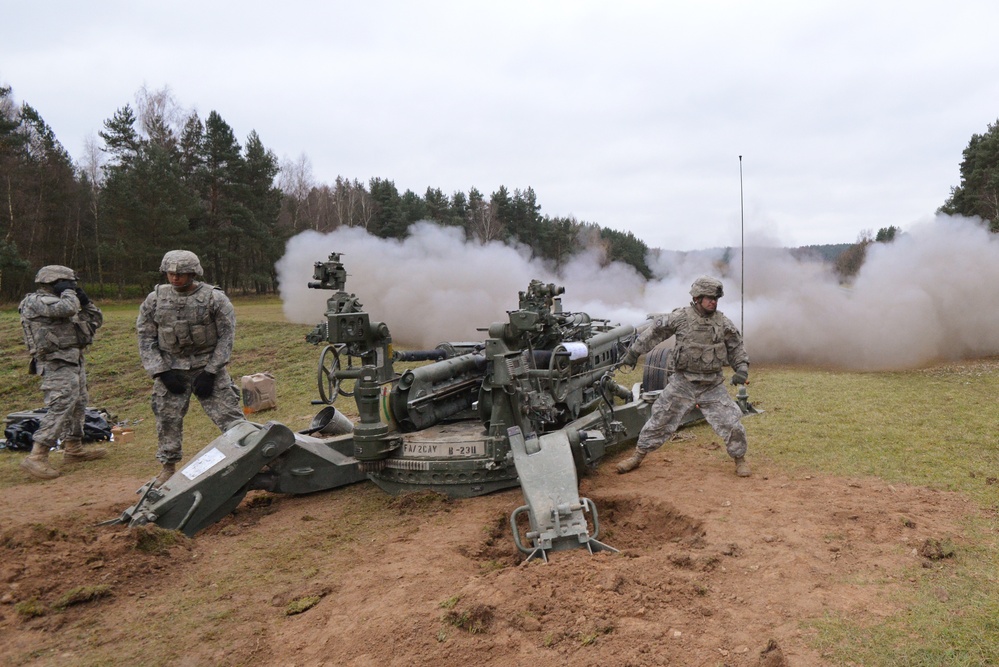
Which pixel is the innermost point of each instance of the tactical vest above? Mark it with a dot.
(700, 346)
(184, 323)
(46, 336)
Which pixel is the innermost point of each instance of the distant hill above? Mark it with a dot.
(826, 253)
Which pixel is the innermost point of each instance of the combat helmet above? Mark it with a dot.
(53, 273)
(181, 261)
(707, 286)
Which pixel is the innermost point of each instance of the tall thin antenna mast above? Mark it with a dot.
(742, 396)
(742, 255)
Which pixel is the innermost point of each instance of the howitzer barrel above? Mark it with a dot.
(442, 351)
(447, 369)
(421, 355)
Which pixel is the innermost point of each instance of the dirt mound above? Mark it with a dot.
(53, 568)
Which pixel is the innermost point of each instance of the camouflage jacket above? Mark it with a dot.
(186, 330)
(58, 327)
(704, 344)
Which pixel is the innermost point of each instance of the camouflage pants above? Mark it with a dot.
(222, 407)
(678, 398)
(65, 388)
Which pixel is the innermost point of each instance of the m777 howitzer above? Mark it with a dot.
(442, 426)
(470, 421)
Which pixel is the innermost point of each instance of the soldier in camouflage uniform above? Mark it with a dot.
(706, 341)
(186, 332)
(59, 321)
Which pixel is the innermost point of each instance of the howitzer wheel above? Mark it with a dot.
(654, 376)
(329, 380)
(560, 369)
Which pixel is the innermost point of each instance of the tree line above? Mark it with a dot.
(160, 178)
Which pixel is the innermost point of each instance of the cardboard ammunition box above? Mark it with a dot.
(122, 435)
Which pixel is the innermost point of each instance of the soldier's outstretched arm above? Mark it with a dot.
(663, 326)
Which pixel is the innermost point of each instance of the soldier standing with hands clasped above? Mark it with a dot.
(706, 341)
(59, 321)
(186, 332)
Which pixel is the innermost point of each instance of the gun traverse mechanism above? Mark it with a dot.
(533, 404)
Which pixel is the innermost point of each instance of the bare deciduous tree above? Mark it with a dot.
(484, 219)
(92, 167)
(160, 116)
(296, 182)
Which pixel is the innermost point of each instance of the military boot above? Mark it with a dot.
(169, 468)
(37, 463)
(75, 453)
(742, 468)
(631, 462)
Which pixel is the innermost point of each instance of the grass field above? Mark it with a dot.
(933, 427)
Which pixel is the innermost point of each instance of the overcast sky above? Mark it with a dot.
(849, 115)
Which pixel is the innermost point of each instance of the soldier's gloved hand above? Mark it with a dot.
(630, 359)
(204, 383)
(82, 296)
(173, 381)
(61, 286)
(740, 377)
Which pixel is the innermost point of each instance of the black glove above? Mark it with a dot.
(740, 377)
(82, 296)
(204, 384)
(629, 359)
(173, 381)
(61, 286)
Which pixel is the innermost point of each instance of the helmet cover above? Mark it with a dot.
(53, 273)
(707, 286)
(181, 261)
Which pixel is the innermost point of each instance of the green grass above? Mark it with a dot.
(934, 427)
(951, 617)
(931, 428)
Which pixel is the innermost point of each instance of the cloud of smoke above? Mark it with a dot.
(925, 297)
(428, 289)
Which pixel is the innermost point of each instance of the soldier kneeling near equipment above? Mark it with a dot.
(706, 341)
(59, 321)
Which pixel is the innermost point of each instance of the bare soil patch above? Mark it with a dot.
(712, 570)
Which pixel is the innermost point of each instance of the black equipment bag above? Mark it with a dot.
(21, 427)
